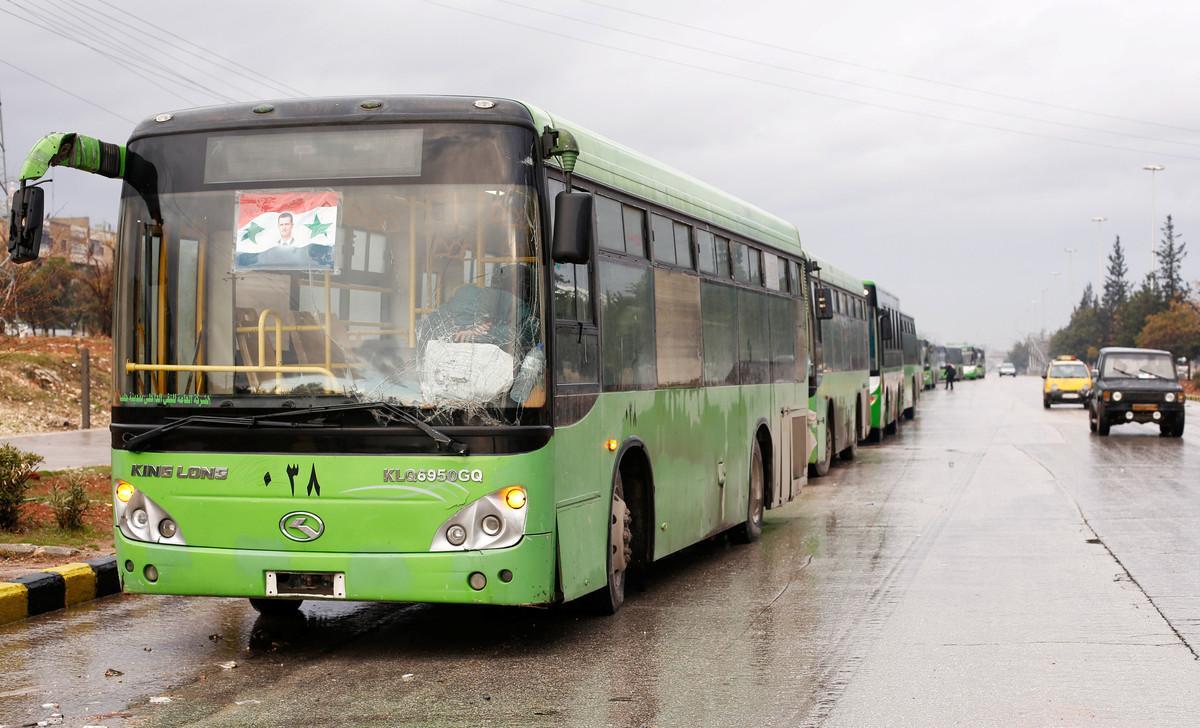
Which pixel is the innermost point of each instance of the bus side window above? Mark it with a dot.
(577, 358)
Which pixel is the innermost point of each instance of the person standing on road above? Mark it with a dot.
(951, 373)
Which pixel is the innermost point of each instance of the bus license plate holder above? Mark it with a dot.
(1145, 407)
(331, 585)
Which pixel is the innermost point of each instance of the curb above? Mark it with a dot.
(58, 587)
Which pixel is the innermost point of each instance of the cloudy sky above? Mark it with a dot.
(950, 150)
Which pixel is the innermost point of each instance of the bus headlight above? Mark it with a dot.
(495, 521)
(141, 519)
(1170, 397)
(1117, 396)
(124, 491)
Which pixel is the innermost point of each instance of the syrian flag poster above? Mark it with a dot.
(286, 230)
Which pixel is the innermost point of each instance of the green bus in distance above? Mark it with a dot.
(839, 413)
(894, 359)
(434, 349)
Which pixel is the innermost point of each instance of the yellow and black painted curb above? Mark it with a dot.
(58, 587)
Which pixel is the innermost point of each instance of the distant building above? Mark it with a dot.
(74, 239)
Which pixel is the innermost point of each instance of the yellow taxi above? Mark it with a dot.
(1065, 382)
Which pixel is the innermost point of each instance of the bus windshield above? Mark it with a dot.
(397, 264)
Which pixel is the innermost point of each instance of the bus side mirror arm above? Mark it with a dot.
(28, 204)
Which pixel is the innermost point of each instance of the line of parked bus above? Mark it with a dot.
(526, 361)
(867, 366)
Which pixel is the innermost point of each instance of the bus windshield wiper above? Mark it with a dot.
(388, 410)
(136, 443)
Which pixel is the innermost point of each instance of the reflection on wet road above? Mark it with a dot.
(995, 565)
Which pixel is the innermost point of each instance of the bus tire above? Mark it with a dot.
(911, 412)
(750, 530)
(276, 607)
(821, 467)
(851, 451)
(890, 428)
(619, 553)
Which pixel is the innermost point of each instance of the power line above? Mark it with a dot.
(72, 94)
(143, 39)
(209, 54)
(875, 69)
(119, 61)
(774, 84)
(150, 65)
(857, 84)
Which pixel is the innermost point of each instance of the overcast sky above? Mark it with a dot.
(964, 221)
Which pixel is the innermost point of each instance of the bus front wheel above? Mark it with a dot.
(751, 529)
(620, 550)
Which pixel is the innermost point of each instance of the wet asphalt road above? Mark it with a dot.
(994, 565)
(73, 449)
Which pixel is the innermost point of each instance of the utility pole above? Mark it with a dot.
(1070, 267)
(1153, 169)
(1099, 220)
(3, 163)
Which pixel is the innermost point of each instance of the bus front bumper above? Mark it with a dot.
(405, 577)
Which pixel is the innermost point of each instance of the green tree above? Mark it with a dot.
(1116, 285)
(1019, 355)
(50, 296)
(1081, 336)
(1171, 253)
(1130, 316)
(1176, 329)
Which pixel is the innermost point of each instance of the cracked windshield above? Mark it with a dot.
(407, 273)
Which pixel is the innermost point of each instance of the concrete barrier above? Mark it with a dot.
(58, 587)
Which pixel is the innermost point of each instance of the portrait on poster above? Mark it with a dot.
(286, 231)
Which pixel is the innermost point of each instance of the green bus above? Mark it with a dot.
(838, 409)
(356, 357)
(972, 365)
(933, 363)
(967, 358)
(894, 362)
(977, 369)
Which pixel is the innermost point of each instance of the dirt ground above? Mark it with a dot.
(40, 383)
(38, 525)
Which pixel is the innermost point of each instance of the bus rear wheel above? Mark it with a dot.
(821, 467)
(751, 529)
(276, 607)
(851, 451)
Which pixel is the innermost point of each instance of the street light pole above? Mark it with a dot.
(1099, 220)
(1153, 169)
(1070, 264)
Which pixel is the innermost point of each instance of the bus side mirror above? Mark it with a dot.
(885, 328)
(572, 227)
(25, 224)
(824, 303)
